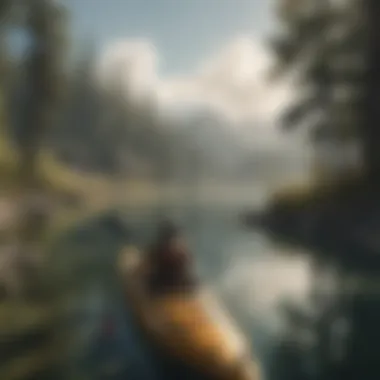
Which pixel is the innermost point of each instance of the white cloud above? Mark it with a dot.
(129, 68)
(232, 82)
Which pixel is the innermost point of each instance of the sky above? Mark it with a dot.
(183, 54)
(186, 55)
(183, 31)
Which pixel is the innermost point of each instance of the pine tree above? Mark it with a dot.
(323, 43)
(5, 9)
(46, 24)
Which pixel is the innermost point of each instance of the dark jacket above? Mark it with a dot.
(170, 262)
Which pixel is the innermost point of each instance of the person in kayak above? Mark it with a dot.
(170, 262)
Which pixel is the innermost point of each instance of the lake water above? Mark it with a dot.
(249, 273)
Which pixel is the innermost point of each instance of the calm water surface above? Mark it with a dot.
(243, 268)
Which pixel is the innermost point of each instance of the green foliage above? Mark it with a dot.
(332, 50)
(324, 45)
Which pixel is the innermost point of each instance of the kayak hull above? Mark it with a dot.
(191, 328)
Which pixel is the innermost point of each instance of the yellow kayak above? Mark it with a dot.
(191, 328)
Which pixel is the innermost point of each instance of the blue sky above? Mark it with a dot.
(183, 31)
